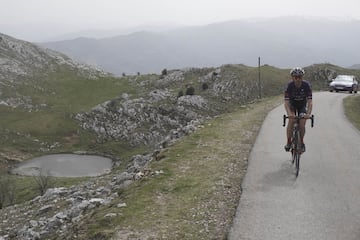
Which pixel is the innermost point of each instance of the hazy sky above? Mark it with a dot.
(44, 18)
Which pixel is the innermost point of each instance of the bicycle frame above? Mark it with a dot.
(296, 148)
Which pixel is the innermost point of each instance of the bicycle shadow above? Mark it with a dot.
(283, 177)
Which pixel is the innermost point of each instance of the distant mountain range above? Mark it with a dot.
(282, 42)
(355, 66)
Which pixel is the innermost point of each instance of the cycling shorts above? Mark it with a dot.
(297, 109)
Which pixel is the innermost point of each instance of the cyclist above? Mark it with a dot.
(298, 98)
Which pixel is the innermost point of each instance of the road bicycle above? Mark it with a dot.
(296, 146)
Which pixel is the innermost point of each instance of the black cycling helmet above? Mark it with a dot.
(297, 72)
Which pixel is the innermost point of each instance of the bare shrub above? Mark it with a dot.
(42, 180)
(7, 191)
(3, 192)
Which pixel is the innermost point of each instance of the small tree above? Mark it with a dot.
(204, 86)
(164, 72)
(42, 180)
(112, 106)
(181, 93)
(214, 75)
(190, 91)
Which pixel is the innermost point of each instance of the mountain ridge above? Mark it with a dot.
(282, 42)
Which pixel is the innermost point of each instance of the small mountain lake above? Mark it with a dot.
(65, 165)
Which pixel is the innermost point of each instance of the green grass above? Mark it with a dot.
(62, 95)
(81, 94)
(193, 194)
(26, 188)
(26, 133)
(352, 109)
(186, 201)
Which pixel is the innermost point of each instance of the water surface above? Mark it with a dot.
(65, 165)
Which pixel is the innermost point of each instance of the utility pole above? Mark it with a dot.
(259, 81)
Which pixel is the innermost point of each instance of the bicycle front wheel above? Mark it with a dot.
(296, 151)
(297, 163)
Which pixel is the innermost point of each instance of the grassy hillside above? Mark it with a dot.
(45, 123)
(54, 99)
(56, 96)
(193, 185)
(196, 195)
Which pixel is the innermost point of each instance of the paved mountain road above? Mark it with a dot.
(323, 203)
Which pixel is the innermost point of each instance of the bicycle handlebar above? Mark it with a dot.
(297, 117)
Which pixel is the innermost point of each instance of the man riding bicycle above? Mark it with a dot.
(298, 99)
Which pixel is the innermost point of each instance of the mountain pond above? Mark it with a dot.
(64, 165)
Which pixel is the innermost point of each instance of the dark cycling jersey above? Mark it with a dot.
(298, 96)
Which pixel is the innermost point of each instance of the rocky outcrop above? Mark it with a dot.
(321, 75)
(141, 121)
(21, 59)
(161, 113)
(59, 209)
(21, 62)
